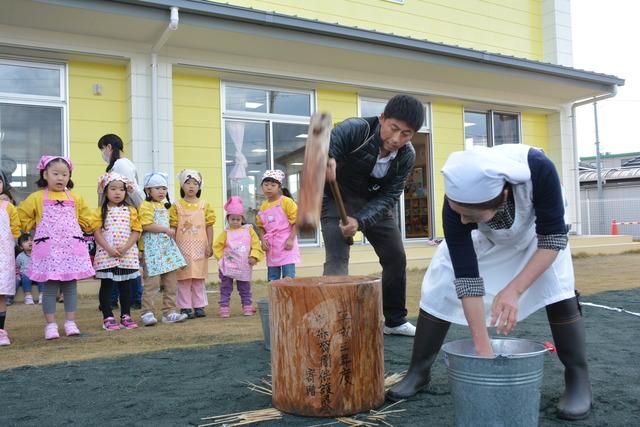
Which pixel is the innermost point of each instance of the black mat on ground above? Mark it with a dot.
(178, 387)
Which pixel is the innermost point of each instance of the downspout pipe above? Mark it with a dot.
(155, 122)
(576, 159)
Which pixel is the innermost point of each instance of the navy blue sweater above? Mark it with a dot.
(547, 202)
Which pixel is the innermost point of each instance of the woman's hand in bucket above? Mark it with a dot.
(504, 310)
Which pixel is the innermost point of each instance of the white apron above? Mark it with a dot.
(502, 254)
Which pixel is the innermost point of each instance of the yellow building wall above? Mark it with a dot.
(534, 131)
(197, 136)
(511, 27)
(91, 116)
(448, 136)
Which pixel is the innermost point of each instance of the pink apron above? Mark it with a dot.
(59, 250)
(277, 229)
(7, 260)
(235, 258)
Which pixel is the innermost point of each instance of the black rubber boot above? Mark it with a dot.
(430, 333)
(567, 327)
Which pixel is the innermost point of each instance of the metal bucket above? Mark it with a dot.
(263, 308)
(499, 391)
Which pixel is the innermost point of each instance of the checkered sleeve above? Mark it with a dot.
(555, 242)
(469, 287)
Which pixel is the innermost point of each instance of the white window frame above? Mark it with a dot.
(43, 100)
(490, 113)
(426, 128)
(269, 118)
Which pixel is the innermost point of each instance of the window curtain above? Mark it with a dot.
(236, 131)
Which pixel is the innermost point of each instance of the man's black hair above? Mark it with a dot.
(405, 108)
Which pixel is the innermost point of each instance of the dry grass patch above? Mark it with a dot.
(25, 323)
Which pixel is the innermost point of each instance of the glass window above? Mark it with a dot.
(27, 80)
(293, 104)
(245, 99)
(246, 160)
(476, 130)
(371, 108)
(26, 133)
(255, 100)
(505, 129)
(486, 129)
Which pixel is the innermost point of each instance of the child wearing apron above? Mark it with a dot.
(193, 221)
(237, 250)
(59, 256)
(162, 258)
(276, 223)
(9, 230)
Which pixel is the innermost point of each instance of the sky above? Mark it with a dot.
(605, 37)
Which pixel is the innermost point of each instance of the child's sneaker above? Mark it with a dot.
(199, 312)
(4, 338)
(248, 310)
(109, 324)
(51, 331)
(174, 317)
(225, 311)
(40, 298)
(127, 322)
(71, 329)
(188, 312)
(148, 319)
(28, 300)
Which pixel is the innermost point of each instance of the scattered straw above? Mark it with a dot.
(393, 379)
(243, 418)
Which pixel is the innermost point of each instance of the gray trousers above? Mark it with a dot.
(386, 240)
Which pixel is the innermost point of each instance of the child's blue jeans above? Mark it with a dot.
(136, 292)
(275, 273)
(27, 284)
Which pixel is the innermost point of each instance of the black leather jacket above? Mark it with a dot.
(355, 145)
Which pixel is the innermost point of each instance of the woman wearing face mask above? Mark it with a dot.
(112, 150)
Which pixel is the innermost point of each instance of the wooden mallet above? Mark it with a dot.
(316, 155)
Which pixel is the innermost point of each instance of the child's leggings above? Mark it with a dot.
(192, 294)
(226, 287)
(106, 286)
(69, 290)
(169, 291)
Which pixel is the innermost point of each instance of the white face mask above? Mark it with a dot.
(106, 157)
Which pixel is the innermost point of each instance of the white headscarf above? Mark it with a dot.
(156, 179)
(187, 174)
(478, 175)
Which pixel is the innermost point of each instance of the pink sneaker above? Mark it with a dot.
(225, 311)
(127, 322)
(4, 338)
(108, 324)
(248, 310)
(51, 331)
(71, 329)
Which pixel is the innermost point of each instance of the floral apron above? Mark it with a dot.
(277, 229)
(59, 250)
(191, 237)
(161, 254)
(235, 258)
(116, 232)
(7, 259)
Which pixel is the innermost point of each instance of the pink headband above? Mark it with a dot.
(45, 160)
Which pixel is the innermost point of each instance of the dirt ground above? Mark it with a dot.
(25, 323)
(178, 387)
